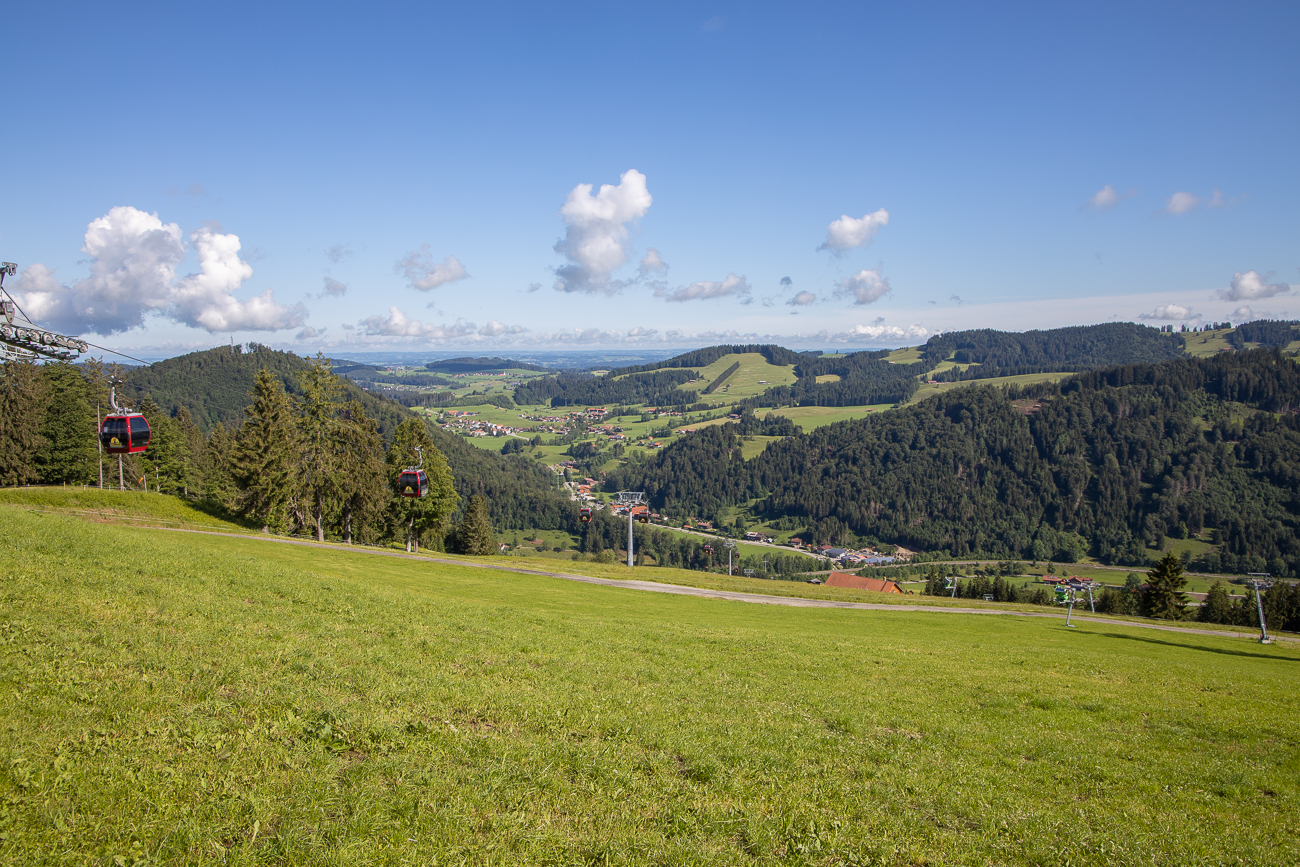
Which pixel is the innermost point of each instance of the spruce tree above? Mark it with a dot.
(219, 484)
(362, 486)
(1217, 607)
(69, 453)
(167, 461)
(320, 440)
(1164, 597)
(474, 533)
(265, 460)
(195, 452)
(22, 415)
(412, 517)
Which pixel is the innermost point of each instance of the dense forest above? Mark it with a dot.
(1108, 463)
(655, 388)
(1265, 332)
(479, 365)
(213, 386)
(1084, 347)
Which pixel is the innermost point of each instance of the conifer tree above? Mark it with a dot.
(363, 488)
(195, 451)
(415, 516)
(474, 532)
(69, 454)
(265, 459)
(320, 440)
(22, 415)
(1217, 607)
(1164, 597)
(219, 484)
(166, 463)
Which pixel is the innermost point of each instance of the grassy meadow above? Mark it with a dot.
(173, 698)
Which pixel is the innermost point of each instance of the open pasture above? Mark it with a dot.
(812, 417)
(189, 699)
(754, 377)
(930, 389)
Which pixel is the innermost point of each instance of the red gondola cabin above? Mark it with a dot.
(585, 515)
(413, 483)
(124, 433)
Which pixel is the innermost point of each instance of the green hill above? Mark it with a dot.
(1109, 464)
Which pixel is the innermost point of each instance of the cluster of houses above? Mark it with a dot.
(849, 558)
(563, 424)
(463, 422)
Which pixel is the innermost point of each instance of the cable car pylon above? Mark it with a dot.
(24, 339)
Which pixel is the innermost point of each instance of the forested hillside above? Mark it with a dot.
(1087, 347)
(197, 405)
(865, 378)
(653, 388)
(1107, 463)
(213, 385)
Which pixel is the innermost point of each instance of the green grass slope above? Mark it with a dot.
(183, 699)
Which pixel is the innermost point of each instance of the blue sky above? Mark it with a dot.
(176, 177)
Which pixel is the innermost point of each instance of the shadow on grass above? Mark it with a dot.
(1195, 647)
(215, 510)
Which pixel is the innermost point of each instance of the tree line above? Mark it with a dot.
(315, 464)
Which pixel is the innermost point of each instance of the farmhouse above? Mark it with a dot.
(858, 582)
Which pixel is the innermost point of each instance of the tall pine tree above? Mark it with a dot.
(70, 452)
(1164, 597)
(265, 461)
(363, 488)
(320, 440)
(474, 532)
(22, 415)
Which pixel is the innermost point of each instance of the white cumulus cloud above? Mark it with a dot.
(864, 287)
(802, 299)
(424, 274)
(1106, 198)
(651, 263)
(1250, 286)
(596, 235)
(496, 329)
(1181, 203)
(398, 324)
(1171, 313)
(847, 233)
(334, 288)
(730, 286)
(1242, 314)
(203, 300)
(133, 257)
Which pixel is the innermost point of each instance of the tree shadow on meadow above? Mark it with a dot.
(1221, 650)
